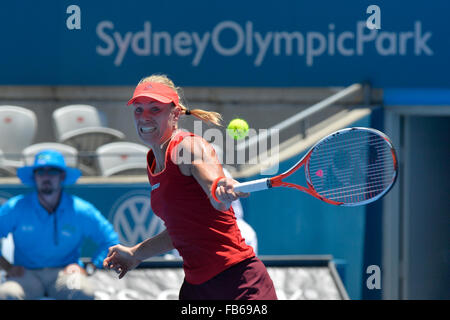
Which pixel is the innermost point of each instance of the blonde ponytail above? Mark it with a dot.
(206, 116)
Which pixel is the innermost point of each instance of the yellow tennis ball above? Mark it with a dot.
(238, 128)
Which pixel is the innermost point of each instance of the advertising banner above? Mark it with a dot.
(232, 43)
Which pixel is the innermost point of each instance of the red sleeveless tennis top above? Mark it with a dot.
(208, 240)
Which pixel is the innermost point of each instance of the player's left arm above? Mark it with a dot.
(205, 167)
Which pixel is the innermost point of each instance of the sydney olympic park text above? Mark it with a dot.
(230, 38)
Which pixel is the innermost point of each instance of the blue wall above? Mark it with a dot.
(232, 43)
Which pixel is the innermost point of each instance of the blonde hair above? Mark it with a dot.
(206, 116)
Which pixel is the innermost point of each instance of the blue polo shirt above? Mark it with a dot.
(43, 240)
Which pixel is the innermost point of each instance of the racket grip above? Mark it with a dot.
(252, 186)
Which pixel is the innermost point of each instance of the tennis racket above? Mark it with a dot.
(350, 167)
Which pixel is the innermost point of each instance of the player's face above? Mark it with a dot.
(49, 180)
(155, 121)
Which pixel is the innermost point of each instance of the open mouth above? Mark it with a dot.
(146, 130)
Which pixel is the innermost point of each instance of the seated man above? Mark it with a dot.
(48, 228)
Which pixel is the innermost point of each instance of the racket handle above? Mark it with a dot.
(252, 186)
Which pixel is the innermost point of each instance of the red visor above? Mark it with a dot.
(155, 90)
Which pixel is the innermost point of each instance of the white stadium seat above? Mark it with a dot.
(6, 170)
(81, 127)
(122, 158)
(18, 127)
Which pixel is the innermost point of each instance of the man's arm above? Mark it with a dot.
(4, 264)
(100, 231)
(7, 224)
(11, 270)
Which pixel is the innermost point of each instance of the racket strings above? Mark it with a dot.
(354, 151)
(368, 167)
(351, 150)
(353, 187)
(336, 140)
(356, 178)
(355, 197)
(348, 143)
(352, 167)
(350, 189)
(356, 193)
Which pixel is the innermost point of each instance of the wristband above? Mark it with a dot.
(214, 187)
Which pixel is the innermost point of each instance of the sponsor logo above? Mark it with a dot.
(133, 218)
(155, 186)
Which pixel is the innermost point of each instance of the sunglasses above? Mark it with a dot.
(50, 172)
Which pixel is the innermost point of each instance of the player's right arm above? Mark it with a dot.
(206, 169)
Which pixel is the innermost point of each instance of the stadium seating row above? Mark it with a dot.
(81, 137)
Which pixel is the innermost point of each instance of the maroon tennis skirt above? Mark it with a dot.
(246, 280)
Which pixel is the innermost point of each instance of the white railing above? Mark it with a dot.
(301, 116)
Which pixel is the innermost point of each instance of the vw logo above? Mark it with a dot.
(133, 218)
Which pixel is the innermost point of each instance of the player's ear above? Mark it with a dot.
(176, 113)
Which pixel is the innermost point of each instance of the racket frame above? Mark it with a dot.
(277, 181)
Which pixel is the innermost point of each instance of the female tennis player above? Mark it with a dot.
(193, 198)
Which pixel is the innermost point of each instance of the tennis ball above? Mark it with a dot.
(238, 128)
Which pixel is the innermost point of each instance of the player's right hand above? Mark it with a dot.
(225, 191)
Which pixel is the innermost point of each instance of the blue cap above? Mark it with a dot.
(48, 158)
